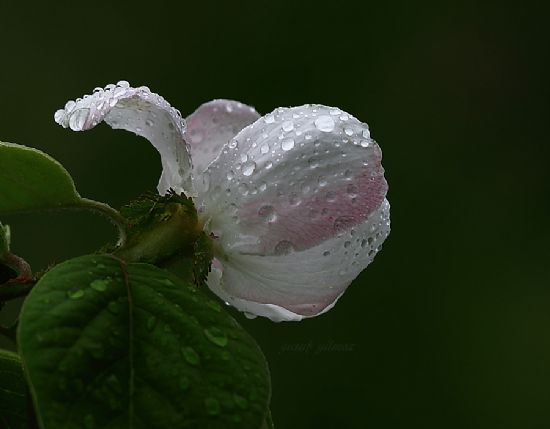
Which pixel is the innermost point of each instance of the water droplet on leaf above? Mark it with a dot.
(190, 355)
(216, 336)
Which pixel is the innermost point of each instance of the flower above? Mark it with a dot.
(295, 200)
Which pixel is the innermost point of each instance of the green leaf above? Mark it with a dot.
(113, 345)
(4, 239)
(32, 180)
(14, 400)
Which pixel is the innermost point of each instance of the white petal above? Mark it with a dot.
(142, 112)
(212, 125)
(297, 177)
(300, 284)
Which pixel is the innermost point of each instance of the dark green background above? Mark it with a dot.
(450, 326)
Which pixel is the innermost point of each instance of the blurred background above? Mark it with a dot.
(450, 326)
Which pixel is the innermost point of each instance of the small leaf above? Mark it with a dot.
(32, 180)
(14, 400)
(113, 345)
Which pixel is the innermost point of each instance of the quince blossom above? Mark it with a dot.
(295, 200)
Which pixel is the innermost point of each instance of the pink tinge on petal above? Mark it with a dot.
(311, 220)
(212, 125)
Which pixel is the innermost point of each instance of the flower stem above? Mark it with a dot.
(110, 213)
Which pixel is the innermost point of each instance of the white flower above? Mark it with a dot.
(295, 200)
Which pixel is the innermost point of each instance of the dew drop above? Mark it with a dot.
(216, 336)
(233, 143)
(284, 247)
(330, 196)
(366, 133)
(100, 285)
(269, 119)
(347, 244)
(69, 106)
(75, 294)
(78, 119)
(264, 149)
(348, 131)
(268, 165)
(267, 213)
(343, 223)
(243, 188)
(288, 126)
(123, 84)
(324, 123)
(248, 168)
(326, 253)
(364, 143)
(190, 355)
(352, 190)
(287, 144)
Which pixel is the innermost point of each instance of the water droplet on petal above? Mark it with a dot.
(78, 119)
(287, 144)
(216, 336)
(267, 213)
(123, 84)
(348, 131)
(366, 133)
(325, 123)
(326, 253)
(288, 126)
(343, 223)
(190, 355)
(269, 119)
(284, 247)
(243, 188)
(248, 168)
(233, 143)
(264, 149)
(268, 165)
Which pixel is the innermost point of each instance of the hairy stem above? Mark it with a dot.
(106, 210)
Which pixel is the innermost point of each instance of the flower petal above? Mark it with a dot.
(142, 112)
(294, 178)
(212, 125)
(300, 284)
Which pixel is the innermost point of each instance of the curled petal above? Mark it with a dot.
(212, 125)
(299, 175)
(297, 204)
(142, 112)
(302, 284)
